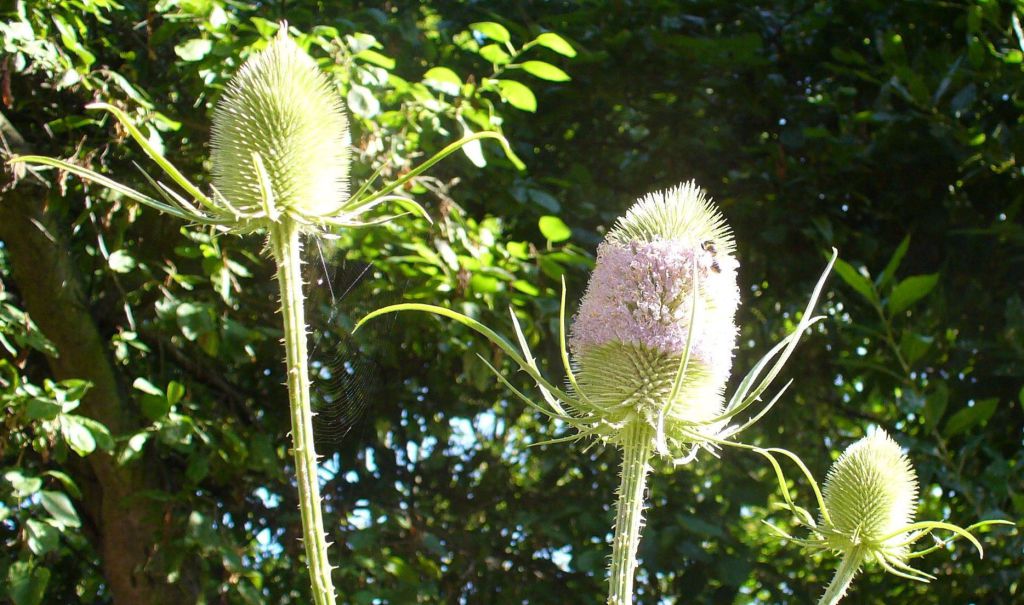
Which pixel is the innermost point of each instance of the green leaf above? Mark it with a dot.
(154, 407)
(914, 346)
(545, 71)
(935, 406)
(60, 508)
(556, 43)
(443, 80)
(543, 199)
(175, 391)
(376, 58)
(474, 150)
(970, 416)
(70, 39)
(554, 229)
(66, 481)
(198, 468)
(495, 54)
(911, 290)
(194, 320)
(362, 102)
(133, 449)
(517, 94)
(194, 49)
(526, 287)
(77, 436)
(492, 30)
(121, 261)
(38, 408)
(23, 486)
(75, 388)
(42, 537)
(100, 433)
(26, 584)
(484, 284)
(855, 280)
(147, 387)
(894, 263)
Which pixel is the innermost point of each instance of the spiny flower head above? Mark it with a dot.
(664, 270)
(868, 504)
(283, 108)
(870, 493)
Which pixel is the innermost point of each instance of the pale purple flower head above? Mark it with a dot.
(641, 294)
(634, 321)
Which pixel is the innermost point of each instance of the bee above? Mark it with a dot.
(709, 246)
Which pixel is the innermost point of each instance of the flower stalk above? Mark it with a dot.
(287, 247)
(849, 567)
(637, 450)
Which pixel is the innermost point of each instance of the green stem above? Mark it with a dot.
(284, 241)
(844, 575)
(637, 448)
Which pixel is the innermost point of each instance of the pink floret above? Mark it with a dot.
(641, 294)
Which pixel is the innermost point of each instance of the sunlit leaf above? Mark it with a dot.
(554, 229)
(855, 280)
(556, 43)
(492, 30)
(545, 71)
(518, 95)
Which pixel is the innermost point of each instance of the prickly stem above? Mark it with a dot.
(284, 241)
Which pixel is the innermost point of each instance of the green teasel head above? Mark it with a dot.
(280, 151)
(870, 493)
(663, 294)
(281, 125)
(867, 508)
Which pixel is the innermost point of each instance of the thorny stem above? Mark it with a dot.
(637, 449)
(284, 241)
(844, 575)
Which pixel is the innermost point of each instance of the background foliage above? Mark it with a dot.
(144, 418)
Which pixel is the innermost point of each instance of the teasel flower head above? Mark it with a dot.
(651, 345)
(867, 507)
(281, 111)
(280, 153)
(663, 289)
(870, 493)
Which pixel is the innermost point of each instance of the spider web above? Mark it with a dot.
(344, 369)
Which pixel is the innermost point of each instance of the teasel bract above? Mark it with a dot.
(280, 166)
(651, 352)
(867, 509)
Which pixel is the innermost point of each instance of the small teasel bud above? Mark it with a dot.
(668, 259)
(870, 494)
(281, 107)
